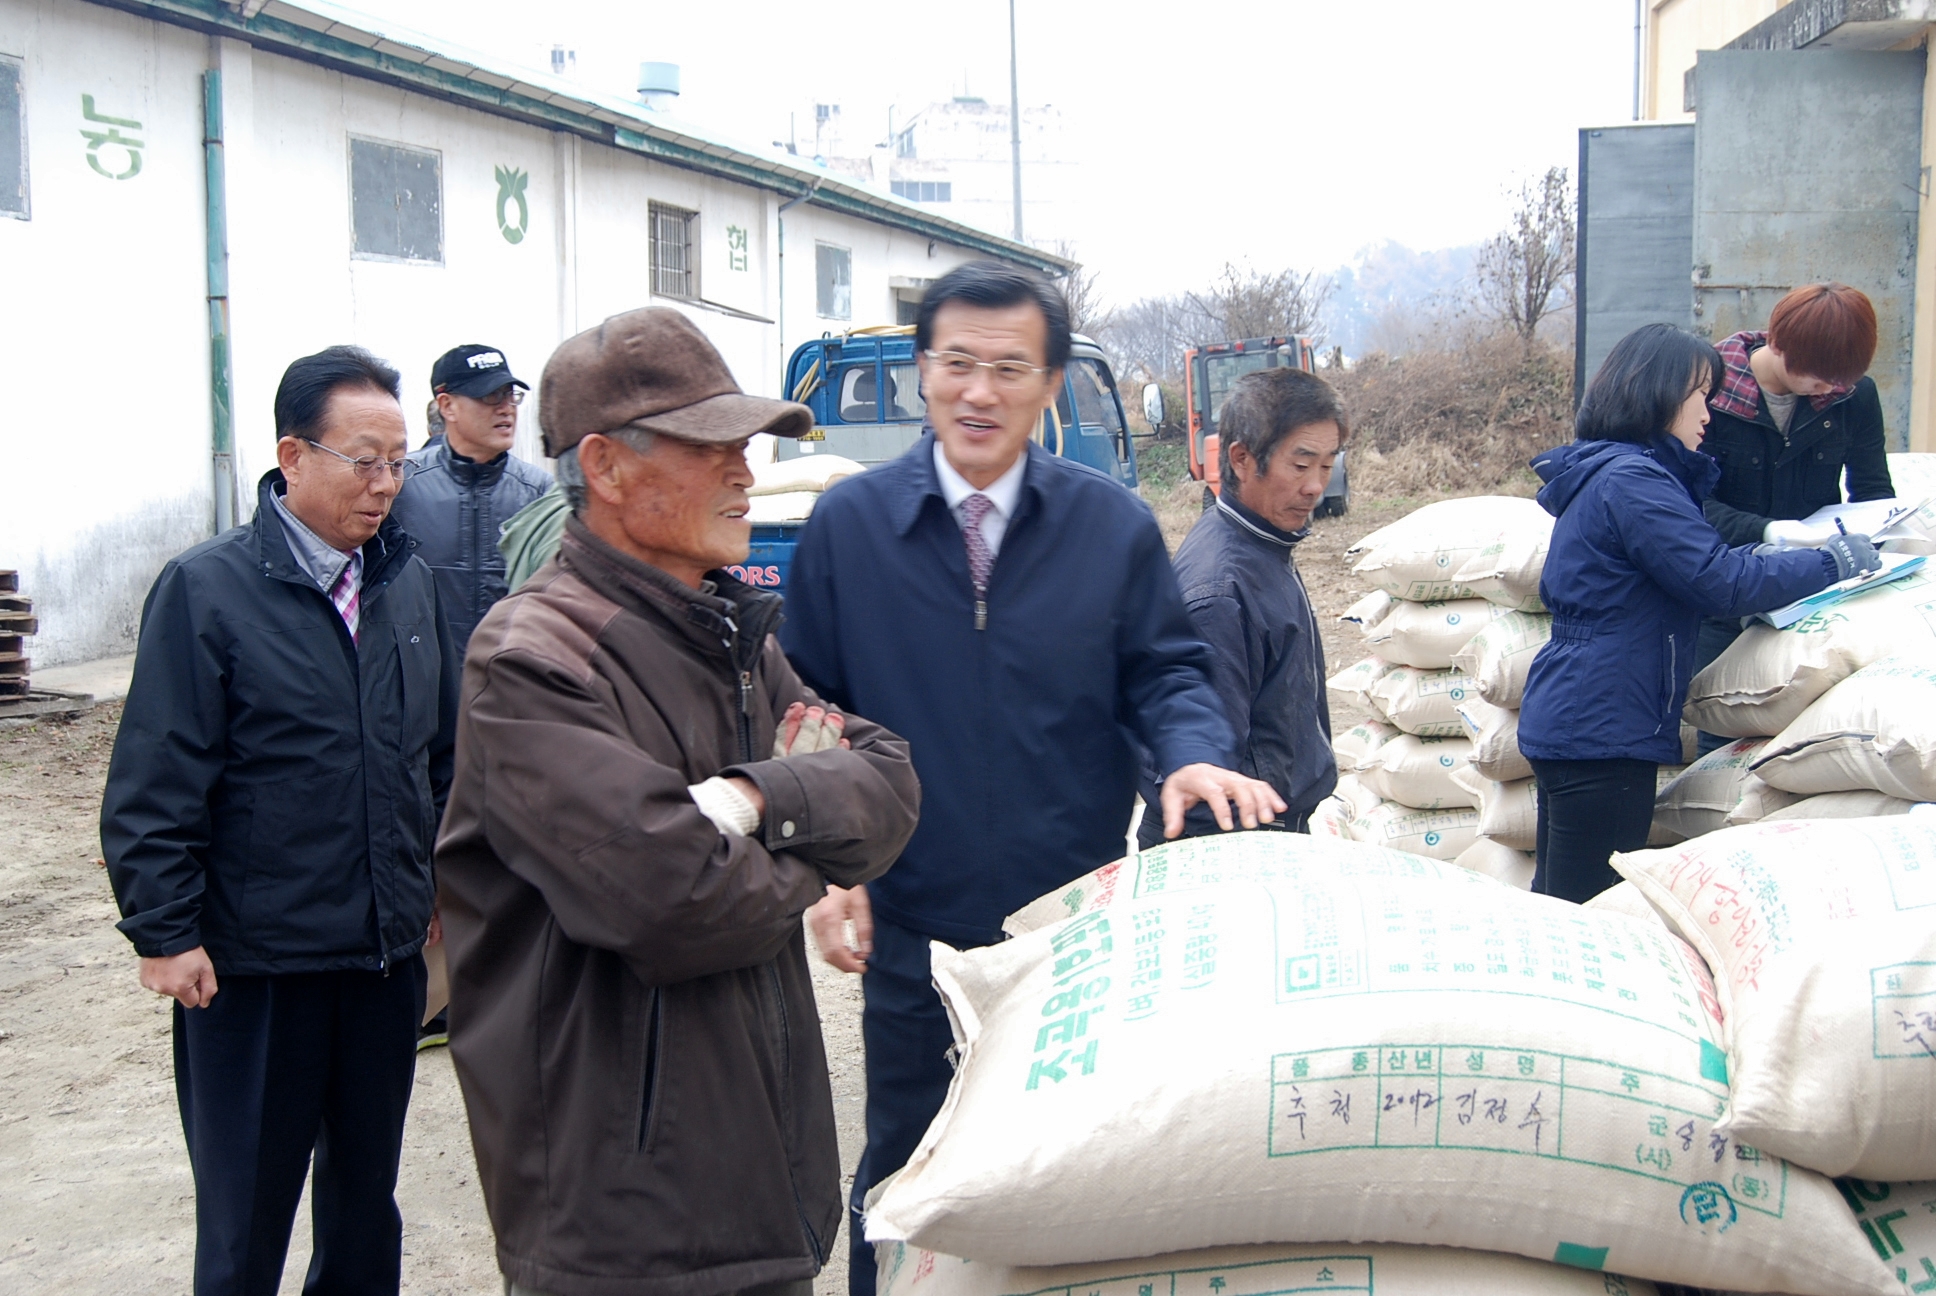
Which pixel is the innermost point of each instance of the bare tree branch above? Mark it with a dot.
(1525, 272)
(1247, 303)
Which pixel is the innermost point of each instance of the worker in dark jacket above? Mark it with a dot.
(466, 484)
(1633, 566)
(1794, 421)
(1013, 615)
(1281, 431)
(268, 823)
(646, 802)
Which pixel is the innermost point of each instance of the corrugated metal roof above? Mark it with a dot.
(361, 44)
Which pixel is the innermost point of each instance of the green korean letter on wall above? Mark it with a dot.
(111, 136)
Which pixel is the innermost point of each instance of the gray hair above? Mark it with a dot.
(571, 474)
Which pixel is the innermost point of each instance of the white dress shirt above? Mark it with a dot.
(1005, 492)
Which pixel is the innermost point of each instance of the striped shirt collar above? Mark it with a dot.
(319, 559)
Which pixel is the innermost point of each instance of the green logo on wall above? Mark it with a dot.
(510, 189)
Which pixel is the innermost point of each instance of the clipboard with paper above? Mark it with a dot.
(1894, 568)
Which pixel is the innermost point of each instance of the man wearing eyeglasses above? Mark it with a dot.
(1014, 615)
(268, 822)
(466, 483)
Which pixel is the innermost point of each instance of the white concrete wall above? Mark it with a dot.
(104, 335)
(1675, 32)
(109, 452)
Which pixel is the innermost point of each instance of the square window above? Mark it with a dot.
(674, 266)
(396, 202)
(13, 142)
(833, 269)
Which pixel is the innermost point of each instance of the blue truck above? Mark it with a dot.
(865, 394)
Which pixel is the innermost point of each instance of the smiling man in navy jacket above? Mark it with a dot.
(1013, 615)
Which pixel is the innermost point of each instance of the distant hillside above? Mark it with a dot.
(1390, 294)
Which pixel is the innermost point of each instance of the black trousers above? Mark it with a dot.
(278, 1067)
(906, 1033)
(1588, 809)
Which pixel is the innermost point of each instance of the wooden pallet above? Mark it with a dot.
(17, 621)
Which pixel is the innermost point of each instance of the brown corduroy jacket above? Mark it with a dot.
(631, 1014)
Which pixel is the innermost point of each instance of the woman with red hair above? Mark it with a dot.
(1794, 415)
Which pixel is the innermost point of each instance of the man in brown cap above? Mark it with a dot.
(646, 801)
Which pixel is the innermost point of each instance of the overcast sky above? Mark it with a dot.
(1283, 133)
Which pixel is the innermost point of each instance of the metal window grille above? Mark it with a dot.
(396, 202)
(13, 142)
(924, 191)
(674, 265)
(833, 281)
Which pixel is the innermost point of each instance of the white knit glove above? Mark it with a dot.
(816, 729)
(726, 806)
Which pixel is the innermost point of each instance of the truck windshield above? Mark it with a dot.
(1221, 372)
(1095, 396)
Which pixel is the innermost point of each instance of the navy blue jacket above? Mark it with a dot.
(1023, 733)
(453, 508)
(1267, 660)
(1632, 569)
(275, 786)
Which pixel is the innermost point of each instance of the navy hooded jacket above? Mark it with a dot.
(1022, 733)
(1632, 569)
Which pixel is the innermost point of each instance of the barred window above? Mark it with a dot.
(13, 142)
(924, 191)
(396, 202)
(675, 263)
(833, 269)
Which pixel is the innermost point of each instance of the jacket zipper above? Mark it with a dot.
(981, 611)
(1673, 674)
(786, 1054)
(745, 716)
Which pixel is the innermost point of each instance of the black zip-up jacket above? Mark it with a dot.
(1765, 475)
(1249, 604)
(453, 508)
(275, 786)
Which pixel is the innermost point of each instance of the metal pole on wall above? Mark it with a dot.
(1014, 122)
(1636, 104)
(220, 370)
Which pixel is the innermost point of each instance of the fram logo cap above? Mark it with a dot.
(472, 370)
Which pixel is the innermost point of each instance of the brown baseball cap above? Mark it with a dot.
(654, 370)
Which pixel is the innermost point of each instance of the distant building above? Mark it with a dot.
(1778, 144)
(954, 158)
(195, 192)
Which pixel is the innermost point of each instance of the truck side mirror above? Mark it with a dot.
(1153, 412)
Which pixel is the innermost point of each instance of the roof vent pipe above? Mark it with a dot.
(659, 84)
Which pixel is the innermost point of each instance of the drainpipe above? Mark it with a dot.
(812, 189)
(220, 368)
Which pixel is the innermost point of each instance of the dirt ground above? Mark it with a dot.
(95, 1195)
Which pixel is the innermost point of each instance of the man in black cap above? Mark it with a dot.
(464, 486)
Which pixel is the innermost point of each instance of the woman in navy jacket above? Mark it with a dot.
(1633, 567)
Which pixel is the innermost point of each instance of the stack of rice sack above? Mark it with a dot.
(1823, 955)
(1379, 1073)
(1834, 717)
(785, 490)
(1452, 625)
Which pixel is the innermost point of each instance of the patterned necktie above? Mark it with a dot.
(347, 593)
(981, 559)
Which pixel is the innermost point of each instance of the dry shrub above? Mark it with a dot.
(1456, 422)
